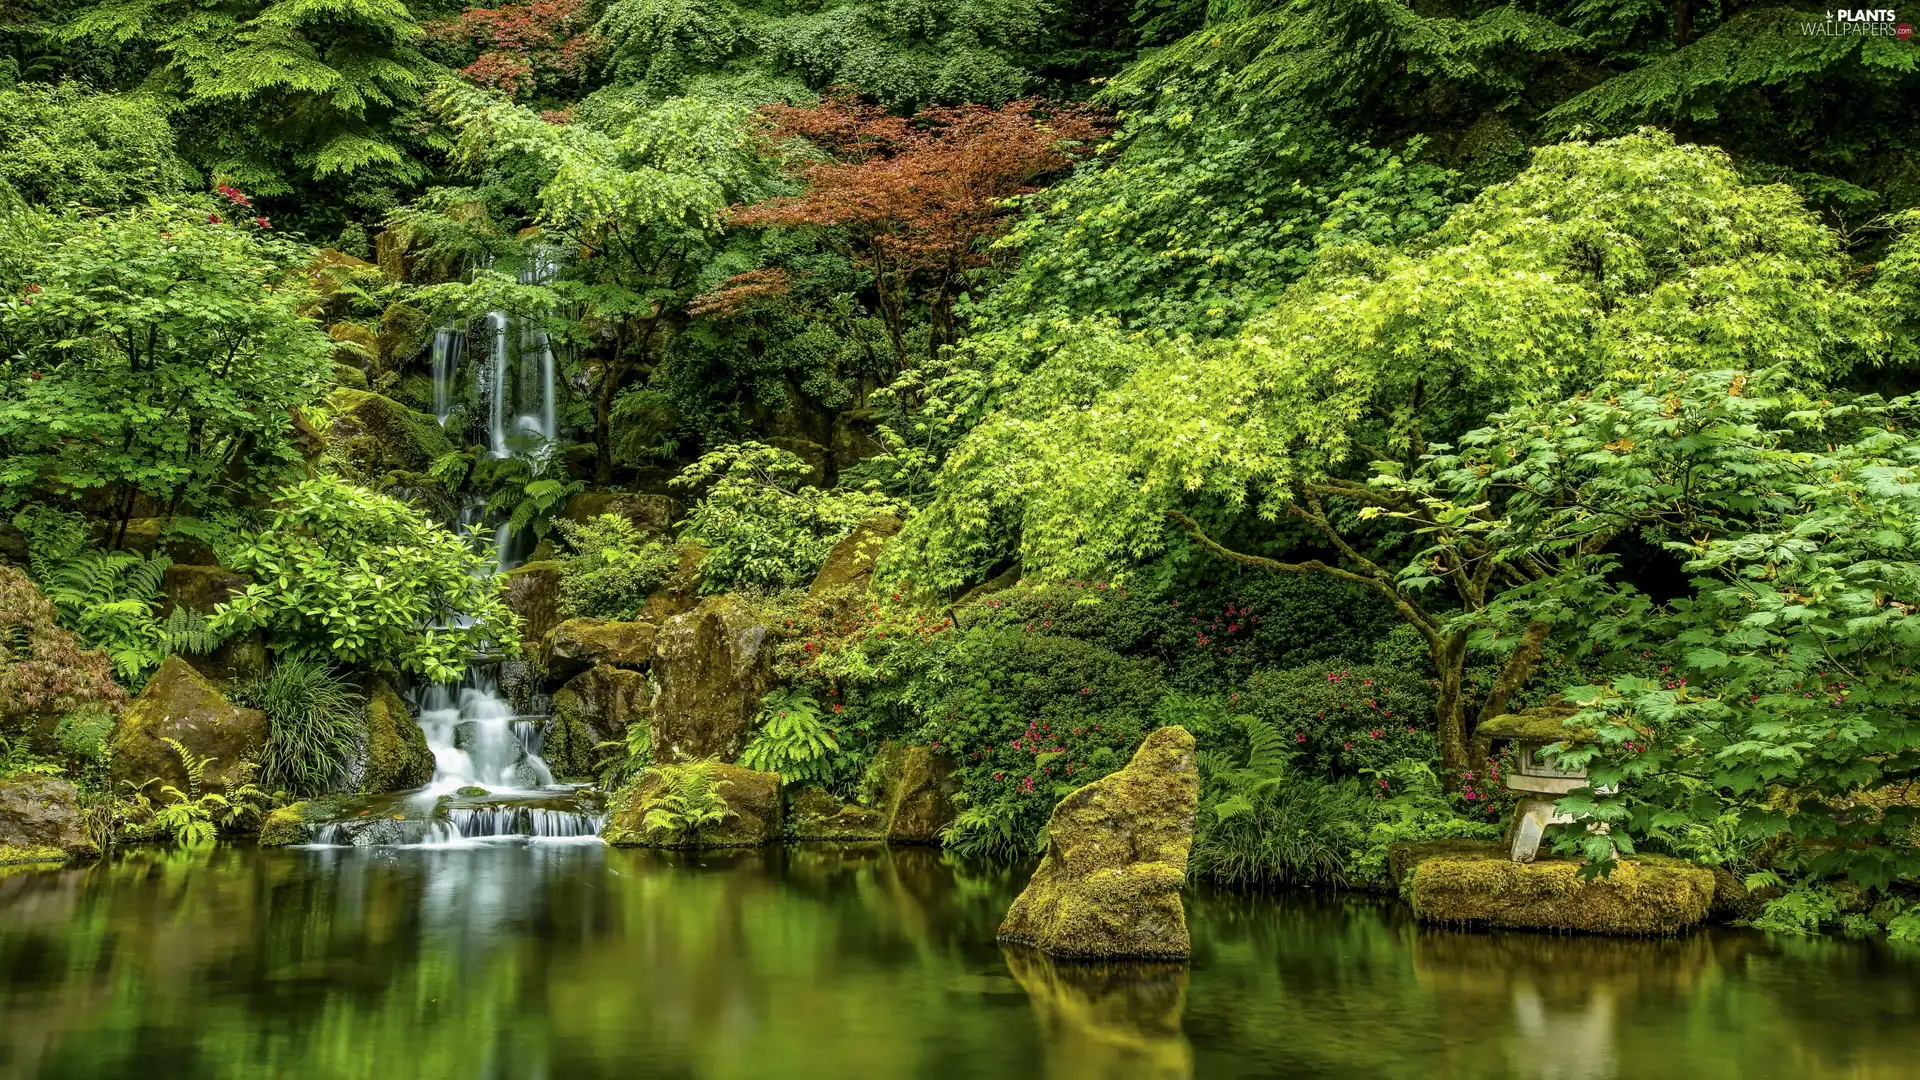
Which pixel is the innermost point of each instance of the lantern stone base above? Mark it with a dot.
(1481, 885)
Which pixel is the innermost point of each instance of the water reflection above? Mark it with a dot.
(553, 960)
(1107, 1021)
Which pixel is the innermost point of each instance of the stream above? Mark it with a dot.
(564, 958)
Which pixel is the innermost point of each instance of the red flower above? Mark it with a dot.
(262, 222)
(213, 219)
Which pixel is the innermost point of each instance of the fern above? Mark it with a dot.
(794, 740)
(187, 633)
(687, 801)
(109, 599)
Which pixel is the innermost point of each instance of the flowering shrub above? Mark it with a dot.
(1347, 721)
(1039, 717)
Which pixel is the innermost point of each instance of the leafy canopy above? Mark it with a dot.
(158, 350)
(1631, 255)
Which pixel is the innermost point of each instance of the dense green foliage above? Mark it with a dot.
(611, 568)
(1326, 378)
(349, 576)
(313, 726)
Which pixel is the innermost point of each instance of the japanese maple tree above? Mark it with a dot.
(915, 199)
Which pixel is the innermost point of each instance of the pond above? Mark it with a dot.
(569, 959)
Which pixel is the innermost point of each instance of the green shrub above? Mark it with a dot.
(1412, 807)
(109, 599)
(612, 568)
(687, 800)
(1346, 721)
(348, 576)
(1262, 823)
(761, 525)
(1205, 636)
(1029, 718)
(314, 726)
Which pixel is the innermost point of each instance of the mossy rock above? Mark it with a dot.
(753, 797)
(650, 514)
(398, 758)
(377, 435)
(578, 644)
(349, 376)
(917, 785)
(680, 593)
(850, 564)
(595, 707)
(711, 665)
(18, 855)
(41, 814)
(1109, 886)
(148, 535)
(181, 704)
(200, 588)
(1646, 894)
(817, 815)
(533, 593)
(286, 826)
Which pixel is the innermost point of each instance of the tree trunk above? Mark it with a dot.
(1450, 709)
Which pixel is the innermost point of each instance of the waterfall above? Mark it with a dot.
(446, 364)
(479, 741)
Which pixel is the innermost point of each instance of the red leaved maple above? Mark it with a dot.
(917, 198)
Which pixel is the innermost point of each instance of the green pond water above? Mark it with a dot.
(574, 960)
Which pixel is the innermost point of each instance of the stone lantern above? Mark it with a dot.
(1534, 775)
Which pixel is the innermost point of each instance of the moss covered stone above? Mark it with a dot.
(917, 786)
(180, 703)
(578, 644)
(39, 813)
(378, 435)
(594, 707)
(398, 757)
(1109, 886)
(753, 797)
(18, 855)
(1644, 895)
(711, 665)
(680, 593)
(533, 594)
(651, 514)
(285, 826)
(850, 564)
(817, 815)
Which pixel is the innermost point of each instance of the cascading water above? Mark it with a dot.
(447, 343)
(480, 743)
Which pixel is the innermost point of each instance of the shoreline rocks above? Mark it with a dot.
(40, 821)
(711, 666)
(1477, 885)
(1109, 886)
(179, 703)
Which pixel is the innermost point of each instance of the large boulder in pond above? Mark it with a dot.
(596, 706)
(397, 757)
(753, 803)
(40, 821)
(180, 703)
(818, 815)
(711, 664)
(1109, 886)
(578, 644)
(850, 564)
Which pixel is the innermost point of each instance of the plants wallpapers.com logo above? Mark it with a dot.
(1859, 22)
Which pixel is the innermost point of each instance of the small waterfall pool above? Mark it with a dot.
(490, 784)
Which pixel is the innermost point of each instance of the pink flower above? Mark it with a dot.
(1300, 736)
